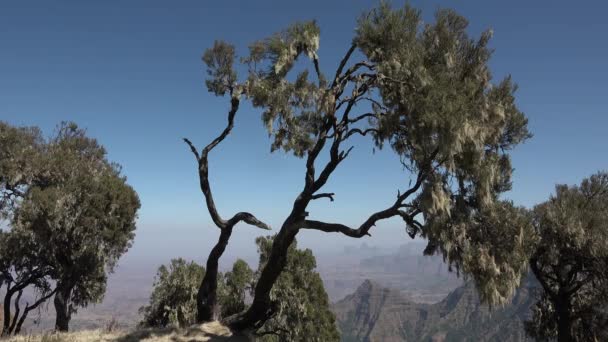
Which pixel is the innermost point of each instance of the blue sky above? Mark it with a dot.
(130, 72)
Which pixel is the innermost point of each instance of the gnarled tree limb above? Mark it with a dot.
(329, 195)
(207, 308)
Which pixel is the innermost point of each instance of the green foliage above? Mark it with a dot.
(291, 111)
(492, 247)
(571, 260)
(302, 314)
(81, 212)
(19, 148)
(302, 305)
(219, 60)
(234, 287)
(173, 298)
(440, 112)
(69, 210)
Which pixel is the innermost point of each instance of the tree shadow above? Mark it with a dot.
(210, 332)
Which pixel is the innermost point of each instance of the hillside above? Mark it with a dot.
(376, 313)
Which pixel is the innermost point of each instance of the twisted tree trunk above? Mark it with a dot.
(564, 319)
(29, 308)
(7, 311)
(262, 307)
(206, 301)
(63, 308)
(207, 305)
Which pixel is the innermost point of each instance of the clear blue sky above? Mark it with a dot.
(130, 72)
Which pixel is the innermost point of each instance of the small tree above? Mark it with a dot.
(234, 287)
(173, 298)
(75, 209)
(571, 263)
(423, 90)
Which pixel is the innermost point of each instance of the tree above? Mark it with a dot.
(571, 263)
(302, 314)
(21, 266)
(425, 91)
(301, 305)
(173, 298)
(73, 206)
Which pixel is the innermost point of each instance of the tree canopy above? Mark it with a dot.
(71, 213)
(425, 91)
(571, 262)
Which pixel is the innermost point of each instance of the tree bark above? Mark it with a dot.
(63, 306)
(207, 304)
(564, 319)
(7, 312)
(17, 312)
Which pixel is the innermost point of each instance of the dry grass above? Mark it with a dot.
(211, 332)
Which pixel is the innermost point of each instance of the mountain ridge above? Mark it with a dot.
(377, 313)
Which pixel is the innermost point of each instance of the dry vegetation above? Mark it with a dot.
(213, 331)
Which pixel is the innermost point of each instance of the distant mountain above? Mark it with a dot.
(377, 313)
(425, 278)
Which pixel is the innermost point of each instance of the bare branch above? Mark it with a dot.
(393, 210)
(17, 312)
(330, 166)
(315, 61)
(193, 149)
(203, 168)
(329, 195)
(363, 116)
(344, 154)
(355, 67)
(334, 228)
(249, 219)
(343, 64)
(314, 153)
(29, 308)
(359, 131)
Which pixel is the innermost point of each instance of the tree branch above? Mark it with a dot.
(193, 149)
(329, 195)
(362, 116)
(343, 64)
(360, 132)
(203, 167)
(315, 61)
(29, 308)
(393, 210)
(17, 312)
(276, 331)
(539, 276)
(335, 228)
